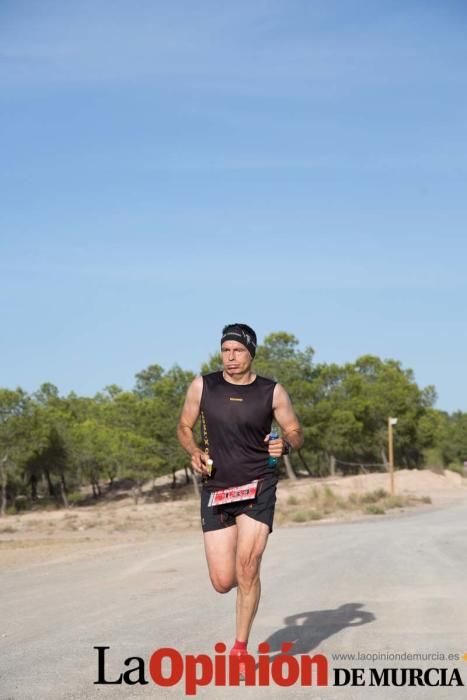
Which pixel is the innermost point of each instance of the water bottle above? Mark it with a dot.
(272, 461)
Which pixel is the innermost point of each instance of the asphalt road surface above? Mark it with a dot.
(388, 585)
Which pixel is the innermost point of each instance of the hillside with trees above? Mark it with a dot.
(52, 446)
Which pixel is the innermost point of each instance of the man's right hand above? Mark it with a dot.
(198, 462)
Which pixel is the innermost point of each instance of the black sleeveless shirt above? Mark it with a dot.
(236, 418)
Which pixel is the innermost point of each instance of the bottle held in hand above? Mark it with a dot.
(272, 461)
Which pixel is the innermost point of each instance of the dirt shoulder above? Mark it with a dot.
(32, 538)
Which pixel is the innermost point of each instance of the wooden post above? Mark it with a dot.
(332, 466)
(3, 474)
(391, 422)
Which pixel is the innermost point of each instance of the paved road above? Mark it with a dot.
(382, 585)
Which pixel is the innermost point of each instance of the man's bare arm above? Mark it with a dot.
(188, 417)
(286, 417)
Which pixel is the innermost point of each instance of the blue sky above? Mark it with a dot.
(169, 167)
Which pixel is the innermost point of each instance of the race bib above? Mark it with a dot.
(233, 493)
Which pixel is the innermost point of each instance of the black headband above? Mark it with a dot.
(242, 336)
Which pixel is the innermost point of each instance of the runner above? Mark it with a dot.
(237, 407)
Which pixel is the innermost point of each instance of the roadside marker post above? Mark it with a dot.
(391, 423)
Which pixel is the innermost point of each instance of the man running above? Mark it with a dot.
(237, 407)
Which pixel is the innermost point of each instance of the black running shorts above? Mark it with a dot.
(259, 508)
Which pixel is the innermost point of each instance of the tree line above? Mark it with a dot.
(52, 445)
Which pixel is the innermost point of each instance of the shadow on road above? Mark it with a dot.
(308, 629)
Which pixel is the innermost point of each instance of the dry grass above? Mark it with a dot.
(318, 502)
(374, 509)
(292, 501)
(304, 516)
(8, 529)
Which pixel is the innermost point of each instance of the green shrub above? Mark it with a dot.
(299, 517)
(315, 515)
(303, 516)
(21, 504)
(314, 493)
(373, 496)
(432, 457)
(75, 497)
(456, 467)
(374, 509)
(395, 502)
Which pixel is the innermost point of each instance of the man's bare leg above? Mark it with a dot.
(221, 547)
(233, 555)
(251, 542)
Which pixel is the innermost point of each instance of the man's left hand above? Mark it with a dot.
(276, 447)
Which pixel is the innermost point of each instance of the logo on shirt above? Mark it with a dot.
(232, 398)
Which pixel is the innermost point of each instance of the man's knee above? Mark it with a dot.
(248, 567)
(222, 585)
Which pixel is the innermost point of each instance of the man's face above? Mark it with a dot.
(235, 357)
